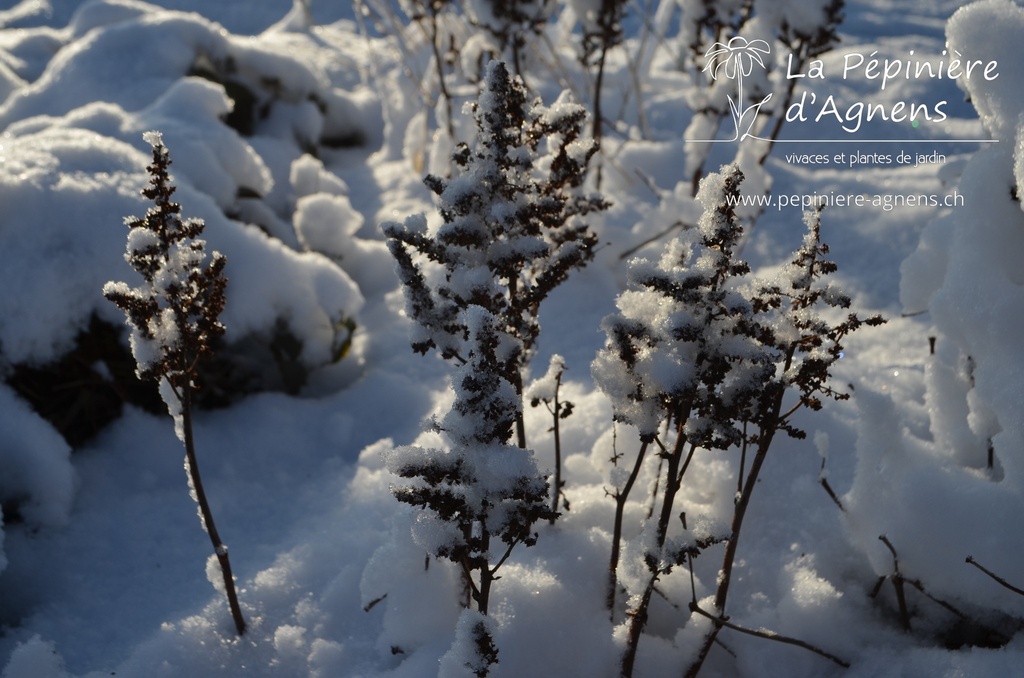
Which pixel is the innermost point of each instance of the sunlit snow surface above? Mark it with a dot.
(105, 572)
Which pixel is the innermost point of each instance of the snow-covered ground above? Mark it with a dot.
(103, 565)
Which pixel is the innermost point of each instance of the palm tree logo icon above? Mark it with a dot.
(736, 60)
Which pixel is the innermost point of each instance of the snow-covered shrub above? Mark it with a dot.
(483, 489)
(175, 318)
(807, 342)
(699, 358)
(683, 332)
(513, 227)
(512, 232)
(957, 490)
(513, 27)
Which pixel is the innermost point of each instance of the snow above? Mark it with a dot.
(464, 659)
(985, 32)
(972, 382)
(36, 462)
(35, 657)
(546, 388)
(294, 137)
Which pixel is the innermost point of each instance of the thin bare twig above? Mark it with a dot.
(769, 635)
(373, 603)
(508, 552)
(828, 488)
(831, 493)
(916, 583)
(654, 238)
(620, 507)
(219, 548)
(999, 580)
(897, 583)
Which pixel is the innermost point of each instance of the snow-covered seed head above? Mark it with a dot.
(174, 313)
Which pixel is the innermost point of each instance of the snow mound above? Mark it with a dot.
(35, 658)
(59, 264)
(37, 478)
(942, 498)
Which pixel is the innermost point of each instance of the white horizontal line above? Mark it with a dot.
(849, 141)
(882, 141)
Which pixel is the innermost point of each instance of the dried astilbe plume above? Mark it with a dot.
(173, 317)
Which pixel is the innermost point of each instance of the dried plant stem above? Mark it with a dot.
(999, 580)
(897, 583)
(768, 635)
(620, 505)
(637, 622)
(673, 481)
(487, 577)
(654, 238)
(832, 494)
(182, 291)
(598, 122)
(204, 507)
(549, 394)
(725, 577)
(516, 378)
(916, 583)
(556, 416)
(738, 516)
(435, 36)
(828, 488)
